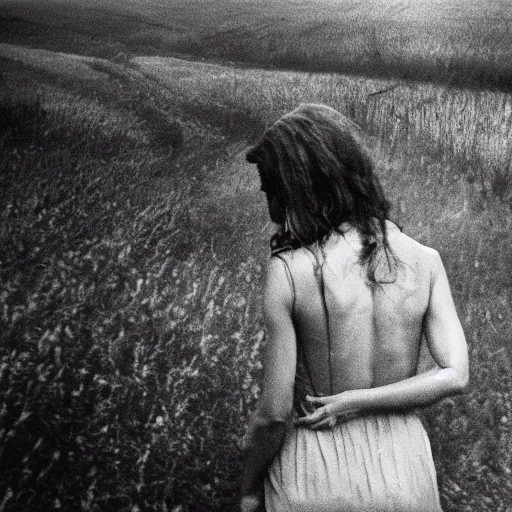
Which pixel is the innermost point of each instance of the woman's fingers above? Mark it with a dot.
(312, 418)
(326, 415)
(324, 423)
(318, 399)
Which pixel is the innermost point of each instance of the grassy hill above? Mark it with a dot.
(133, 239)
(458, 42)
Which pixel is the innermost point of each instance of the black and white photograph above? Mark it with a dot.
(256, 255)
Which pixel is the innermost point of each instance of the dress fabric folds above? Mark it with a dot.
(373, 463)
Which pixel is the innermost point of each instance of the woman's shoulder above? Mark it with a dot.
(298, 260)
(405, 245)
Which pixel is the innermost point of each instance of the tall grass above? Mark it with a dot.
(131, 275)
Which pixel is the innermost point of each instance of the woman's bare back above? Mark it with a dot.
(375, 331)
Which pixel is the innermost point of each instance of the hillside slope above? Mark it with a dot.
(459, 42)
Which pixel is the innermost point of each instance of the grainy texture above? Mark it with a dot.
(132, 242)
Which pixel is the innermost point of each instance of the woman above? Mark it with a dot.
(347, 300)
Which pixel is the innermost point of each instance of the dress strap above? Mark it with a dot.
(290, 279)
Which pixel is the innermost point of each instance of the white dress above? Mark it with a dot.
(374, 463)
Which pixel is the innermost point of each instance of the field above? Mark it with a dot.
(456, 42)
(133, 241)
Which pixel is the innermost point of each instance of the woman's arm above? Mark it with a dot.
(447, 345)
(270, 421)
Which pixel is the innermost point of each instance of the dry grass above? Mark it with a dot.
(133, 242)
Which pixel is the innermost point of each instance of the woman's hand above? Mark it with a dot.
(330, 411)
(251, 503)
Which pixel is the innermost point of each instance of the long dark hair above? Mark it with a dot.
(315, 162)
